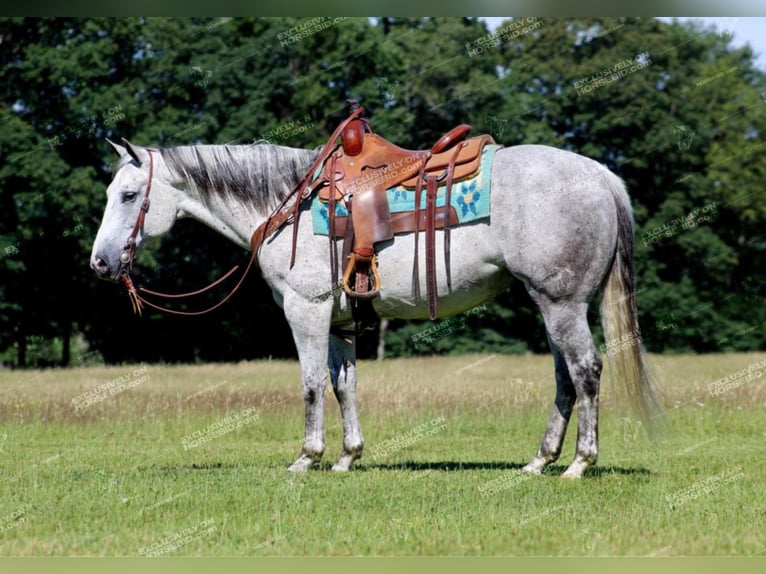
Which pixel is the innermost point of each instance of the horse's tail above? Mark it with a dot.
(619, 314)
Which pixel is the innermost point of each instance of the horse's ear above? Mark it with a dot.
(135, 152)
(118, 149)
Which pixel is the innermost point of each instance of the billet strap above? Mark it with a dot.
(348, 257)
(331, 223)
(431, 292)
(447, 203)
(415, 264)
(348, 235)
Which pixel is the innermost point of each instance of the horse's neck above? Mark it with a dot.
(229, 218)
(235, 218)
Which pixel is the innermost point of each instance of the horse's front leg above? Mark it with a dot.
(342, 363)
(310, 325)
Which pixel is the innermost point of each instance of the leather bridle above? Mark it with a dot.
(129, 249)
(128, 254)
(278, 218)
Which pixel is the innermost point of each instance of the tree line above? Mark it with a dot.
(673, 109)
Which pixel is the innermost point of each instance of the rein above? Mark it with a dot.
(277, 219)
(128, 254)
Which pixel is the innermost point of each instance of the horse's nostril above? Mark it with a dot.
(100, 266)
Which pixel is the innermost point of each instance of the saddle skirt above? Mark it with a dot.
(469, 202)
(386, 165)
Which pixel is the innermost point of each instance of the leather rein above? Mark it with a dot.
(278, 218)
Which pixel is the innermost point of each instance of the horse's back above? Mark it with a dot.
(555, 213)
(547, 178)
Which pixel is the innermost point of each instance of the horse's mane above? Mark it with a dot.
(260, 174)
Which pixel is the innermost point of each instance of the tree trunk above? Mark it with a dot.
(21, 341)
(66, 351)
(382, 339)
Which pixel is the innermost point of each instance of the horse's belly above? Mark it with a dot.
(477, 272)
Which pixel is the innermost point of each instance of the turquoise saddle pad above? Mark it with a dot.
(470, 197)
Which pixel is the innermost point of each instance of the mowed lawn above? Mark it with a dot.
(191, 460)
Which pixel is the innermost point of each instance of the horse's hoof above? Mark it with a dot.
(535, 466)
(575, 470)
(346, 459)
(344, 464)
(303, 464)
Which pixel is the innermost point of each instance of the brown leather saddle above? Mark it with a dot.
(357, 174)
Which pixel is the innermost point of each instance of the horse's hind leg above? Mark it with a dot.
(578, 369)
(550, 447)
(342, 363)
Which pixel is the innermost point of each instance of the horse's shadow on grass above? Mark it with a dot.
(454, 466)
(199, 466)
(440, 466)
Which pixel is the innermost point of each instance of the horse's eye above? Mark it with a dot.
(128, 196)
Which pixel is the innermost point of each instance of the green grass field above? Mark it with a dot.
(86, 472)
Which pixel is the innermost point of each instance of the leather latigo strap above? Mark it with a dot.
(448, 201)
(431, 187)
(416, 259)
(348, 232)
(431, 292)
(331, 222)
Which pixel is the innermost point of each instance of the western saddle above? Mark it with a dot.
(356, 173)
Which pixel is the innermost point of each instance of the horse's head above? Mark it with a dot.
(128, 219)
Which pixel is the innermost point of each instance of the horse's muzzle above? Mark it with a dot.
(103, 270)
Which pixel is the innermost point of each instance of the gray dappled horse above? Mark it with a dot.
(560, 222)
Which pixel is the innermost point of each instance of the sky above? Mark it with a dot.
(746, 30)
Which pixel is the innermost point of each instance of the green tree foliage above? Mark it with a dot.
(673, 109)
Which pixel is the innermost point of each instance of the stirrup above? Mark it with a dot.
(371, 273)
